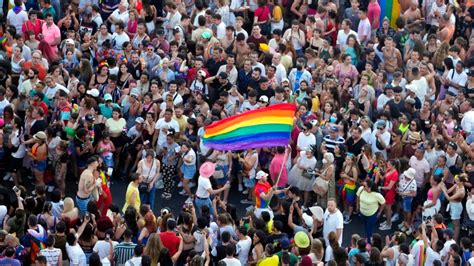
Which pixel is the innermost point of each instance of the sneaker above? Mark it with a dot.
(189, 200)
(385, 227)
(191, 185)
(347, 219)
(246, 201)
(403, 228)
(245, 192)
(395, 217)
(241, 188)
(180, 184)
(6, 177)
(400, 226)
(383, 224)
(182, 192)
(409, 232)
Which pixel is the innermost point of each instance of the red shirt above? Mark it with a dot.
(389, 194)
(373, 11)
(36, 28)
(259, 189)
(170, 241)
(262, 13)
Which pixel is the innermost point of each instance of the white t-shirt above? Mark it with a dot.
(102, 248)
(76, 255)
(247, 106)
(342, 37)
(332, 222)
(16, 142)
(3, 212)
(134, 261)
(373, 141)
(203, 185)
(190, 155)
(124, 17)
(119, 39)
(17, 19)
(3, 104)
(444, 252)
(203, 148)
(364, 29)
(421, 88)
(51, 92)
(422, 167)
(304, 141)
(242, 250)
(431, 256)
(162, 124)
(457, 78)
(231, 262)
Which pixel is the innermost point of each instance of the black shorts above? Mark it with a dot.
(118, 141)
(15, 164)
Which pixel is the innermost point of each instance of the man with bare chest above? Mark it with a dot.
(86, 185)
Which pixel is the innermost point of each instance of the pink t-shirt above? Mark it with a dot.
(373, 12)
(275, 167)
(364, 29)
(50, 34)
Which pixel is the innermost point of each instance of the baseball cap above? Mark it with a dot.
(108, 97)
(70, 41)
(93, 92)
(263, 98)
(260, 175)
(139, 120)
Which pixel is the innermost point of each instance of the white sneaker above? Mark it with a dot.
(191, 185)
(241, 188)
(400, 226)
(385, 227)
(395, 217)
(245, 192)
(180, 184)
(7, 176)
(383, 224)
(409, 232)
(182, 192)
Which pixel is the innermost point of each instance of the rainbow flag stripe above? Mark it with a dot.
(391, 10)
(265, 127)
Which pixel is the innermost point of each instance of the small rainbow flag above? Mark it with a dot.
(265, 127)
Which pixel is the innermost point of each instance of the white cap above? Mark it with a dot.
(263, 98)
(93, 92)
(260, 175)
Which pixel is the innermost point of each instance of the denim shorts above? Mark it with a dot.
(406, 203)
(455, 210)
(249, 182)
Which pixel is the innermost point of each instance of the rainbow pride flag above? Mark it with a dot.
(391, 10)
(265, 127)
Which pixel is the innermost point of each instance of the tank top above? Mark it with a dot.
(148, 171)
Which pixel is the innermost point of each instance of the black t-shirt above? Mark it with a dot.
(81, 145)
(269, 92)
(355, 148)
(39, 125)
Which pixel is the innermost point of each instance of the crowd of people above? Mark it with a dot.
(95, 95)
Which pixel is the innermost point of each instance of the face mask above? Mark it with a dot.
(325, 161)
(332, 119)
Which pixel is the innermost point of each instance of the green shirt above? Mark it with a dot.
(293, 258)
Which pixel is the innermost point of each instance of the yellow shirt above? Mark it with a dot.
(269, 261)
(315, 104)
(369, 202)
(128, 197)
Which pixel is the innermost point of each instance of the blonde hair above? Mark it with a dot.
(317, 248)
(153, 248)
(68, 204)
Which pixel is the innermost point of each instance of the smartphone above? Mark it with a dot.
(16, 189)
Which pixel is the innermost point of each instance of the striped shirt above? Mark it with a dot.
(123, 252)
(332, 143)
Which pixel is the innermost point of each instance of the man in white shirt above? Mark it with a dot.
(280, 69)
(52, 88)
(467, 122)
(17, 16)
(422, 167)
(119, 15)
(433, 248)
(364, 29)
(137, 257)
(76, 255)
(384, 97)
(220, 26)
(173, 17)
(229, 259)
(173, 90)
(456, 78)
(243, 245)
(119, 37)
(3, 101)
(204, 189)
(333, 221)
(448, 237)
(344, 33)
(162, 126)
(102, 247)
(380, 138)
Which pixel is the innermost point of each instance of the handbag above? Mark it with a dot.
(320, 186)
(308, 173)
(143, 187)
